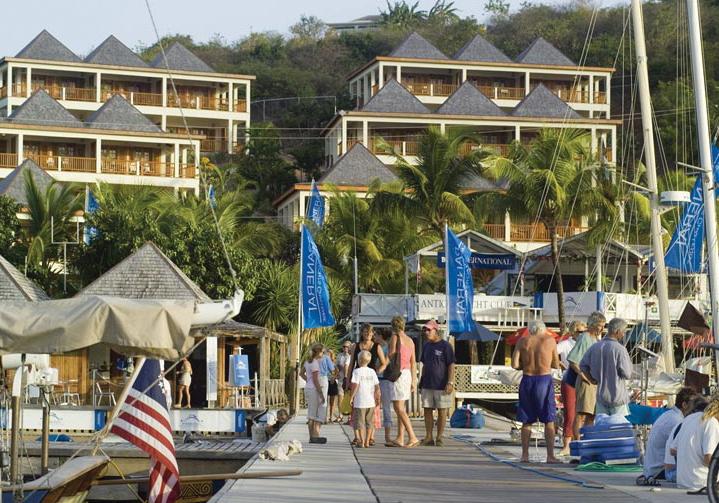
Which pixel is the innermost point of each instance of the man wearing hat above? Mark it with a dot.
(437, 381)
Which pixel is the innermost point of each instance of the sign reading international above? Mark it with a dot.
(496, 261)
(316, 310)
(460, 289)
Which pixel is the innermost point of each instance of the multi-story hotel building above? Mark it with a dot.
(502, 100)
(114, 118)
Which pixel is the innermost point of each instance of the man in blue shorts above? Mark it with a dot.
(536, 355)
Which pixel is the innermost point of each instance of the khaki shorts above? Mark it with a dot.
(436, 399)
(363, 418)
(586, 397)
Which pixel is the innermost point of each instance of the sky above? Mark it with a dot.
(83, 24)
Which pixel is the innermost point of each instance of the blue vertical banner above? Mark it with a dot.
(91, 206)
(240, 370)
(314, 292)
(212, 196)
(460, 289)
(685, 248)
(316, 206)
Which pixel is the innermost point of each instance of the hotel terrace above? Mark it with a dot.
(480, 88)
(114, 118)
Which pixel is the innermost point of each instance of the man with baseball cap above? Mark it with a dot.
(437, 381)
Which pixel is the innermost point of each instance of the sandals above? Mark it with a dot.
(648, 481)
(392, 443)
(699, 492)
(371, 443)
(412, 445)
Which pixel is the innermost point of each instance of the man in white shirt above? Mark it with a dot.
(695, 443)
(662, 429)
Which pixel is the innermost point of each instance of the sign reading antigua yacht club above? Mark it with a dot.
(496, 261)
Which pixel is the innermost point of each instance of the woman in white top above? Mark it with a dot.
(183, 386)
(314, 397)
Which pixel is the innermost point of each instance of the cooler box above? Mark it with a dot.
(595, 432)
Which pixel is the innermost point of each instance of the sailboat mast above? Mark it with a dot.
(649, 159)
(700, 99)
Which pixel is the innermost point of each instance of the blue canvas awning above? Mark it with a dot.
(479, 333)
(636, 334)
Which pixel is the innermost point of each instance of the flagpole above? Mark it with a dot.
(446, 276)
(296, 397)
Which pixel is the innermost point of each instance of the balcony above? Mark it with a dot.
(502, 92)
(199, 102)
(107, 165)
(430, 88)
(528, 232)
(496, 148)
(64, 163)
(8, 160)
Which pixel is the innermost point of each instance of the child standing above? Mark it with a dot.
(364, 398)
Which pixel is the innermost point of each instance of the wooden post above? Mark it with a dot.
(45, 452)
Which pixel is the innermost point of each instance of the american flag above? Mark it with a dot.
(144, 420)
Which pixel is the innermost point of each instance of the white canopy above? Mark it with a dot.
(156, 328)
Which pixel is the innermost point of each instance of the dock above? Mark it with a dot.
(458, 472)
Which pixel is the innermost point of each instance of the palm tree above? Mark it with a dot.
(50, 217)
(443, 11)
(402, 15)
(552, 180)
(432, 190)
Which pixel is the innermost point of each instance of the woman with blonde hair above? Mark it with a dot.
(314, 396)
(401, 347)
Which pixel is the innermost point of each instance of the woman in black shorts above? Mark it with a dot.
(332, 389)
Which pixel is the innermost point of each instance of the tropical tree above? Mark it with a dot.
(402, 15)
(9, 226)
(50, 213)
(553, 179)
(432, 190)
(443, 11)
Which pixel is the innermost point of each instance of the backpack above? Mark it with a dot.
(394, 368)
(467, 417)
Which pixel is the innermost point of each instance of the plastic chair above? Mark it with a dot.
(102, 390)
(70, 397)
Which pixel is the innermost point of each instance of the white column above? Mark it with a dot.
(164, 91)
(464, 75)
(507, 227)
(163, 122)
(230, 138)
(591, 89)
(517, 135)
(608, 96)
(527, 80)
(98, 87)
(9, 84)
(231, 97)
(247, 103)
(98, 155)
(365, 134)
(372, 83)
(19, 148)
(28, 80)
(399, 74)
(176, 159)
(343, 146)
(442, 127)
(381, 75)
(301, 210)
(594, 141)
(196, 145)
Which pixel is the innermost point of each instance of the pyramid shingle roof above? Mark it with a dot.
(146, 274)
(480, 49)
(42, 109)
(180, 57)
(13, 185)
(468, 100)
(541, 102)
(113, 52)
(394, 97)
(418, 47)
(541, 52)
(118, 113)
(14, 285)
(46, 47)
(357, 167)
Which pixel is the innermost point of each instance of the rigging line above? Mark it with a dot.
(189, 136)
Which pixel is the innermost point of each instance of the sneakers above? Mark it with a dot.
(318, 440)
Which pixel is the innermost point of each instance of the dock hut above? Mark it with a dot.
(149, 274)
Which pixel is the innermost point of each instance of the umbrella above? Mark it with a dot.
(478, 333)
(523, 332)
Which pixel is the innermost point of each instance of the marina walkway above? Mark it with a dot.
(457, 472)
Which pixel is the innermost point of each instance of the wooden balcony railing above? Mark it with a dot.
(528, 232)
(146, 99)
(8, 160)
(213, 145)
(240, 106)
(501, 92)
(430, 89)
(394, 147)
(3, 92)
(497, 148)
(198, 102)
(600, 98)
(188, 171)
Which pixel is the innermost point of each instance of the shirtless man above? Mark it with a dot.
(536, 356)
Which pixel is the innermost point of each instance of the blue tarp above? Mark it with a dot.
(479, 333)
(636, 334)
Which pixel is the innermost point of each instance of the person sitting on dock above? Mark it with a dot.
(585, 392)
(661, 430)
(695, 443)
(536, 356)
(437, 382)
(365, 397)
(608, 365)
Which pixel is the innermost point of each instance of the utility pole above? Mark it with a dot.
(650, 161)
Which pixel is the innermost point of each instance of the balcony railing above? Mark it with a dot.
(240, 106)
(8, 160)
(198, 102)
(64, 163)
(430, 88)
(394, 147)
(501, 92)
(213, 145)
(528, 232)
(497, 148)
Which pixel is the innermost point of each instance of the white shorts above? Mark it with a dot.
(185, 379)
(402, 388)
(436, 399)
(316, 411)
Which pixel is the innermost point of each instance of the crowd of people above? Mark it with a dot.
(379, 375)
(596, 367)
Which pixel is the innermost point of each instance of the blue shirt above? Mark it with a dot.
(326, 366)
(436, 359)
